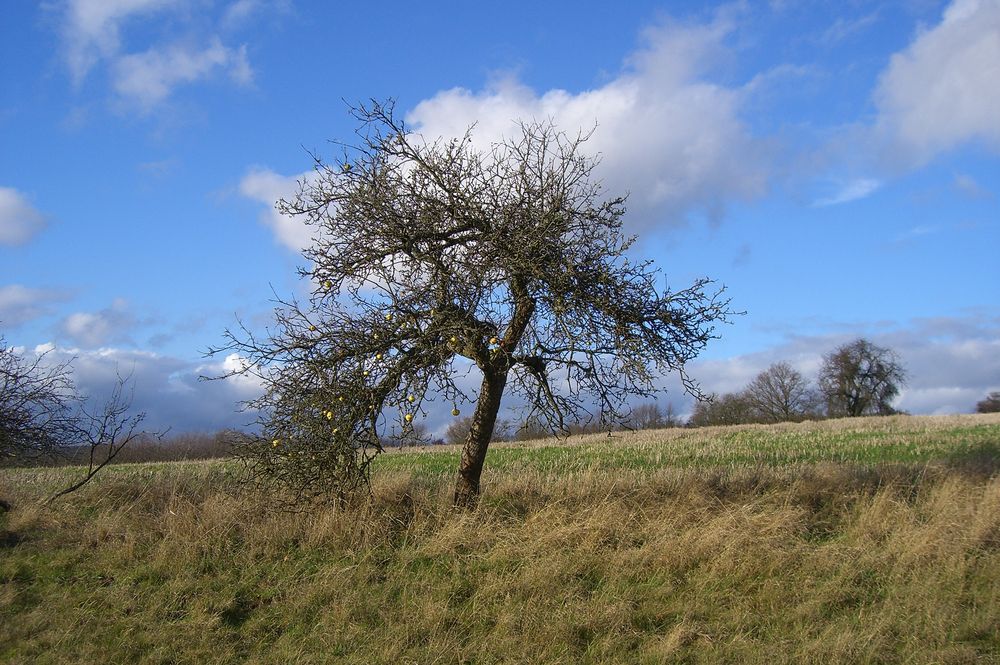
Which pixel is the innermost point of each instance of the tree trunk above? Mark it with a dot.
(474, 452)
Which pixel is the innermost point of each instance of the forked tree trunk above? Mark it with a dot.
(474, 453)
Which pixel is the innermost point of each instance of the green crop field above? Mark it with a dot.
(866, 540)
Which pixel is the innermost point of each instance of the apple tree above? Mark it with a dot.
(433, 257)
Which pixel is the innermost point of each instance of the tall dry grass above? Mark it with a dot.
(825, 562)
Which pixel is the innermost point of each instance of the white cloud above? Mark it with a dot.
(92, 34)
(19, 220)
(241, 12)
(94, 329)
(19, 304)
(851, 191)
(91, 29)
(664, 132)
(267, 187)
(167, 388)
(942, 90)
(951, 362)
(147, 79)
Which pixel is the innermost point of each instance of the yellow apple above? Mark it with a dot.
(411, 399)
(275, 443)
(327, 284)
(312, 328)
(329, 415)
(493, 340)
(455, 412)
(378, 356)
(408, 417)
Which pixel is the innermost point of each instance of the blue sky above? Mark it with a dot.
(836, 165)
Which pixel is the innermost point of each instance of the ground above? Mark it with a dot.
(863, 540)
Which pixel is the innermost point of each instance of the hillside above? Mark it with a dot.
(867, 540)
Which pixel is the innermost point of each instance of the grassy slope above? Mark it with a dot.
(873, 540)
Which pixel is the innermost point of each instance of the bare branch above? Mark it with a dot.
(430, 252)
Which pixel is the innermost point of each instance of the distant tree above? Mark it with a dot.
(529, 429)
(426, 253)
(726, 409)
(991, 404)
(418, 434)
(651, 416)
(860, 378)
(781, 394)
(43, 417)
(37, 406)
(458, 431)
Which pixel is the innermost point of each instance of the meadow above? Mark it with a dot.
(870, 540)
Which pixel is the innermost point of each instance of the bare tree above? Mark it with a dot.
(651, 416)
(38, 402)
(103, 432)
(458, 430)
(990, 404)
(725, 409)
(431, 259)
(781, 394)
(860, 378)
(43, 417)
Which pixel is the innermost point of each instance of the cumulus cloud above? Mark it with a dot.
(94, 329)
(666, 133)
(168, 389)
(941, 91)
(92, 29)
(92, 34)
(20, 304)
(951, 362)
(19, 220)
(267, 187)
(147, 79)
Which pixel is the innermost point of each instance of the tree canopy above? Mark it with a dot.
(430, 257)
(861, 378)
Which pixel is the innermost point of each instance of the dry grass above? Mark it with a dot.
(643, 563)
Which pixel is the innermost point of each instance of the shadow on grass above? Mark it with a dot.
(981, 460)
(11, 539)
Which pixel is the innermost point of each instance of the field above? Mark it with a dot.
(866, 540)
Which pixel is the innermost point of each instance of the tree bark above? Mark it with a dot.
(474, 453)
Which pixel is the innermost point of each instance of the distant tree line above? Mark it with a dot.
(644, 416)
(857, 379)
(144, 447)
